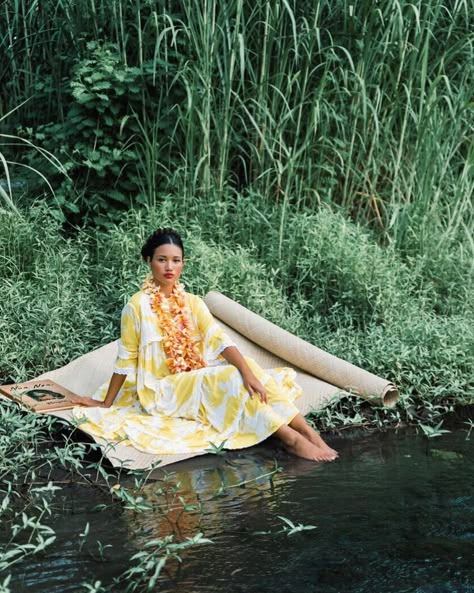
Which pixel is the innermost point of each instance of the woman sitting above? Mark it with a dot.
(176, 364)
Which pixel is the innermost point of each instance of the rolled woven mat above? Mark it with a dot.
(301, 354)
(320, 374)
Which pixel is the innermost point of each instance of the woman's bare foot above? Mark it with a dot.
(300, 446)
(299, 424)
(318, 442)
(307, 450)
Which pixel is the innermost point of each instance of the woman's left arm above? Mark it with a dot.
(251, 383)
(217, 343)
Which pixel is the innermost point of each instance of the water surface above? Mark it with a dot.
(394, 514)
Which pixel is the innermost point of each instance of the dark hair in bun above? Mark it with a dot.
(163, 236)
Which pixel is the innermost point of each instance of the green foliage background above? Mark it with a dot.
(317, 156)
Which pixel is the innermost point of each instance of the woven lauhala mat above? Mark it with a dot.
(321, 375)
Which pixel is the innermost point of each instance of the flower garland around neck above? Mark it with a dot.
(179, 344)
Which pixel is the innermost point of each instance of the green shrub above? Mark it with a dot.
(51, 311)
(327, 280)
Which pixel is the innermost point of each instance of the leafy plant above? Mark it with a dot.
(217, 449)
(148, 563)
(470, 424)
(433, 431)
(289, 528)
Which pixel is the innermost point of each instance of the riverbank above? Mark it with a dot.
(63, 293)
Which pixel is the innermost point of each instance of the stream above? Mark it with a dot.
(394, 514)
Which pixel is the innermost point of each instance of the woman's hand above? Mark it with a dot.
(251, 383)
(253, 386)
(88, 402)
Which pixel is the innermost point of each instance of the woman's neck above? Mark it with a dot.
(167, 290)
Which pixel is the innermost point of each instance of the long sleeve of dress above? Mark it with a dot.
(127, 359)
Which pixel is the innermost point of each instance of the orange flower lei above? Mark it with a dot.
(179, 344)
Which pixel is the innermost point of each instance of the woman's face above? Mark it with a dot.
(166, 266)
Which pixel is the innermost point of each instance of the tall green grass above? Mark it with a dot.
(368, 107)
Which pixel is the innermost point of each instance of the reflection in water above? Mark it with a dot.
(394, 514)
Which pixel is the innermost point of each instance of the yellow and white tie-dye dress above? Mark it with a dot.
(162, 413)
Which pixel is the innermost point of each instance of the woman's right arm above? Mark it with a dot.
(126, 361)
(116, 382)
